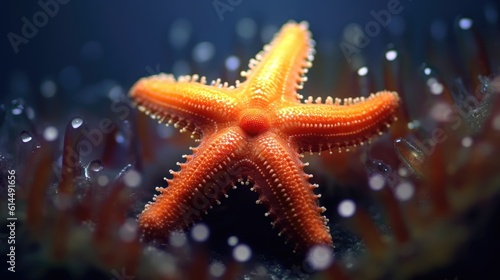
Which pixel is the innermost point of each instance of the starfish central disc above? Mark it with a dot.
(254, 122)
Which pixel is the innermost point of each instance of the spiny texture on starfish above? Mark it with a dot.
(256, 131)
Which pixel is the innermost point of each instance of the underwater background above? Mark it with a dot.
(426, 208)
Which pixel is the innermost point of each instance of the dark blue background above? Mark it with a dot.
(134, 34)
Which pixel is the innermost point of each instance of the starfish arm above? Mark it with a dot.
(317, 127)
(278, 71)
(199, 184)
(283, 187)
(187, 103)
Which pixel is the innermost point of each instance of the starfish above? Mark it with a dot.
(256, 131)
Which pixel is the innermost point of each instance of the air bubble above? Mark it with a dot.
(232, 241)
(102, 180)
(346, 208)
(363, 71)
(177, 239)
(132, 178)
(467, 142)
(48, 89)
(404, 191)
(216, 269)
(391, 55)
(232, 63)
(200, 232)
(119, 137)
(128, 231)
(267, 33)
(181, 67)
(246, 28)
(17, 109)
(203, 52)
(242, 253)
(496, 122)
(465, 23)
(427, 71)
(376, 182)
(50, 133)
(320, 257)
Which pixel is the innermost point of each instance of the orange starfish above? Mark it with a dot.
(256, 131)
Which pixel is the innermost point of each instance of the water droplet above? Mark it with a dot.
(26, 136)
(95, 165)
(76, 122)
(346, 208)
(200, 232)
(242, 253)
